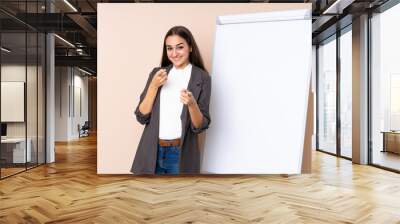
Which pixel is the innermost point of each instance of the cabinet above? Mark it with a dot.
(391, 141)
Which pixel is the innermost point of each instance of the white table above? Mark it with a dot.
(18, 145)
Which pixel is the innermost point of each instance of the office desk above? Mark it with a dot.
(391, 141)
(13, 150)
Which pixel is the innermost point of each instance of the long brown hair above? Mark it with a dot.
(194, 56)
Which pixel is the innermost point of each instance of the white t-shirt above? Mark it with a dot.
(170, 103)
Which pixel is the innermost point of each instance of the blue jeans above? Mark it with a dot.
(167, 160)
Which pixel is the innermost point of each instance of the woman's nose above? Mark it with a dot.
(174, 53)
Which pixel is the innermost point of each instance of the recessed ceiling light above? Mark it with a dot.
(84, 71)
(64, 40)
(338, 6)
(5, 50)
(70, 5)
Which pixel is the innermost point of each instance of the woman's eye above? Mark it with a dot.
(180, 47)
(168, 48)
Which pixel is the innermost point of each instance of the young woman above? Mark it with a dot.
(174, 107)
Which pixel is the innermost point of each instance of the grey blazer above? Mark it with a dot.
(146, 153)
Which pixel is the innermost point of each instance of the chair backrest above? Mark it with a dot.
(86, 125)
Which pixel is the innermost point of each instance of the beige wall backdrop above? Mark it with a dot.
(130, 44)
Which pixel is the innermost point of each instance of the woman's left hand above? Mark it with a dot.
(187, 98)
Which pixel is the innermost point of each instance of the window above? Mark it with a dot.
(385, 89)
(327, 96)
(346, 93)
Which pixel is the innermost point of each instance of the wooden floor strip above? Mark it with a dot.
(70, 191)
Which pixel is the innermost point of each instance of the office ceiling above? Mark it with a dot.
(76, 22)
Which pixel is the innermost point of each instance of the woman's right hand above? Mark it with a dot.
(159, 79)
(146, 105)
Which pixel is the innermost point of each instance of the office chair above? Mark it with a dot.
(84, 130)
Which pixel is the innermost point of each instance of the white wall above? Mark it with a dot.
(12, 73)
(70, 83)
(81, 102)
(61, 103)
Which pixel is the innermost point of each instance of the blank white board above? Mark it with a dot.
(12, 101)
(260, 82)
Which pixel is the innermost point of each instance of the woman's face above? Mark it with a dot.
(178, 51)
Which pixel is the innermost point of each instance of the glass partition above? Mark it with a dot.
(327, 96)
(13, 95)
(22, 77)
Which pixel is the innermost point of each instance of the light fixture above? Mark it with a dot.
(338, 6)
(70, 5)
(84, 71)
(80, 51)
(5, 50)
(64, 40)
